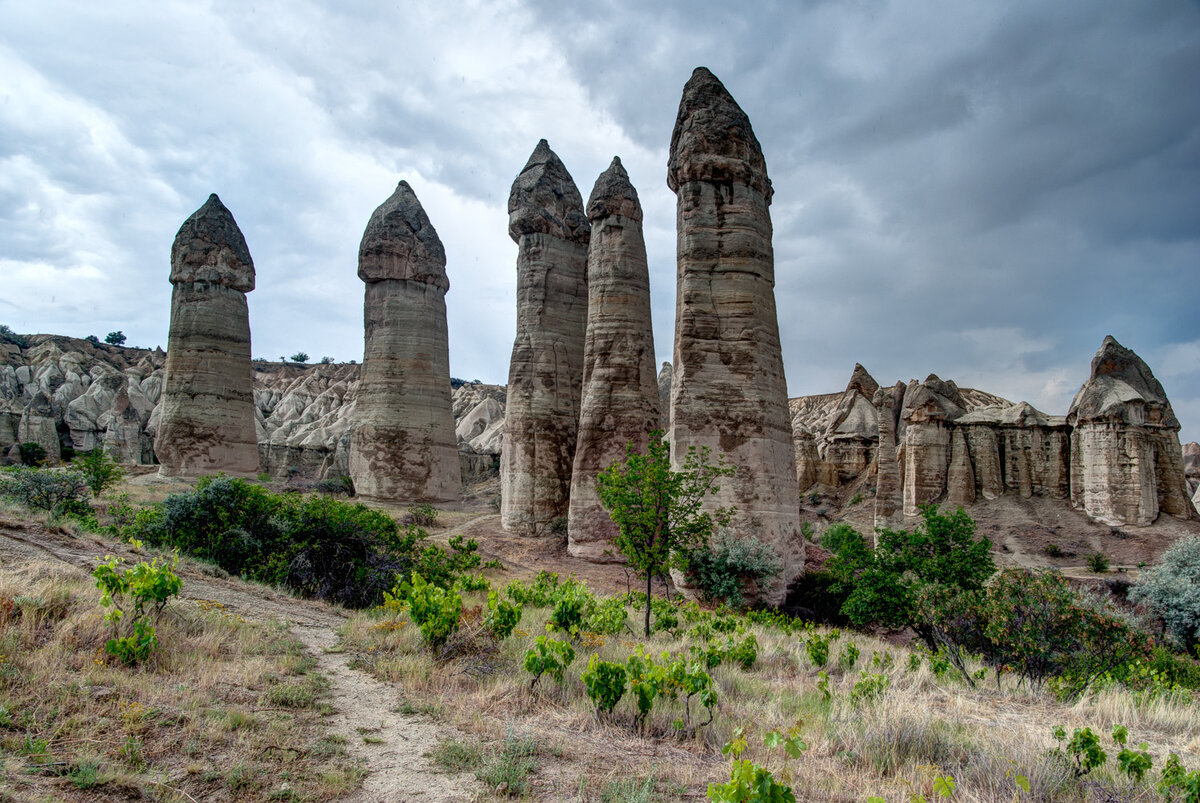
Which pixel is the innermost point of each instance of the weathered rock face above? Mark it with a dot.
(664, 397)
(1017, 449)
(928, 409)
(304, 419)
(729, 393)
(402, 445)
(620, 390)
(1126, 461)
(546, 218)
(207, 420)
(889, 497)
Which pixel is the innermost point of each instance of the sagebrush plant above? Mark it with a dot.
(52, 490)
(135, 594)
(1172, 591)
(724, 567)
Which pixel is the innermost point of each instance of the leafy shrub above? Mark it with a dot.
(422, 515)
(817, 646)
(135, 594)
(116, 338)
(1172, 591)
(9, 336)
(607, 617)
(750, 782)
(433, 609)
(869, 687)
(1098, 562)
(1082, 752)
(316, 545)
(848, 657)
(502, 616)
(32, 454)
(538, 593)
(605, 682)
(572, 604)
(548, 655)
(743, 654)
(727, 565)
(299, 356)
(98, 469)
(46, 489)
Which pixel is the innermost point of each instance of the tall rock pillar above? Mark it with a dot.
(207, 423)
(729, 393)
(620, 390)
(402, 446)
(546, 218)
(889, 497)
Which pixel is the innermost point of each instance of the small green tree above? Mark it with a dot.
(659, 512)
(116, 338)
(98, 469)
(299, 356)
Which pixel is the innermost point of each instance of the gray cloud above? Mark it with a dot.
(983, 192)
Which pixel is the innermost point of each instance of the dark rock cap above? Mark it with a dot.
(210, 248)
(613, 194)
(862, 381)
(545, 200)
(1119, 378)
(400, 243)
(713, 139)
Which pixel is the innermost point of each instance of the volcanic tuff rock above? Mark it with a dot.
(664, 397)
(728, 392)
(402, 445)
(104, 395)
(889, 495)
(620, 390)
(207, 419)
(1126, 461)
(546, 219)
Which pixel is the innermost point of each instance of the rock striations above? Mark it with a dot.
(728, 392)
(402, 445)
(620, 402)
(547, 220)
(207, 419)
(1126, 461)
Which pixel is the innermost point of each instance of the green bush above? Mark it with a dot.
(1172, 591)
(32, 454)
(53, 490)
(315, 545)
(134, 595)
(538, 593)
(727, 565)
(605, 682)
(502, 616)
(572, 604)
(1098, 562)
(98, 469)
(548, 656)
(9, 336)
(434, 610)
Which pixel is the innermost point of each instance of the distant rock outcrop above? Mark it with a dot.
(206, 424)
(620, 390)
(728, 392)
(546, 219)
(1126, 461)
(1116, 454)
(402, 443)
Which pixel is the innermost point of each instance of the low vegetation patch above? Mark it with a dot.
(220, 709)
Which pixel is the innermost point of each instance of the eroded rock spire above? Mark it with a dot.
(547, 221)
(620, 402)
(207, 423)
(402, 447)
(729, 393)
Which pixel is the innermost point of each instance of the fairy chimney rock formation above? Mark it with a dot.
(207, 417)
(620, 390)
(402, 446)
(729, 393)
(1126, 461)
(889, 499)
(929, 408)
(546, 219)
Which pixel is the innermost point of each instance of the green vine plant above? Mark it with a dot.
(548, 656)
(605, 683)
(134, 595)
(754, 783)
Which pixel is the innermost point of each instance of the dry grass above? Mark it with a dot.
(895, 745)
(223, 709)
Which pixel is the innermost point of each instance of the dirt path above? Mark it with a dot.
(391, 745)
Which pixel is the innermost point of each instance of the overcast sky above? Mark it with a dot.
(978, 190)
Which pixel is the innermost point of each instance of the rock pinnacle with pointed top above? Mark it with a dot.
(207, 424)
(620, 402)
(729, 392)
(547, 221)
(402, 444)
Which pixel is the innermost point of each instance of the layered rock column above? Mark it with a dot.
(207, 417)
(620, 402)
(1126, 461)
(729, 393)
(889, 498)
(546, 218)
(402, 446)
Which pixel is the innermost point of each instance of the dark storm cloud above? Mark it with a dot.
(978, 190)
